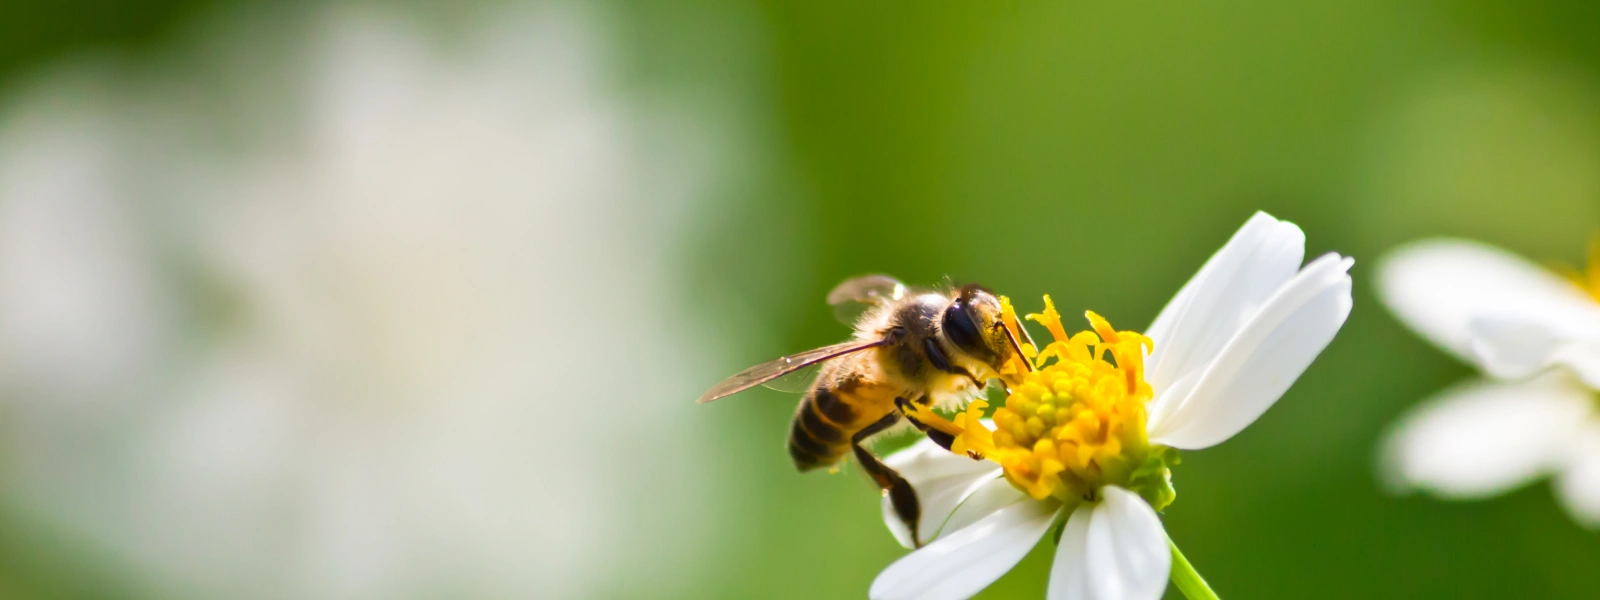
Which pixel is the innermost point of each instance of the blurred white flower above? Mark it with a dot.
(1085, 441)
(1537, 337)
(312, 333)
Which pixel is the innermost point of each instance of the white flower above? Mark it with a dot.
(1225, 349)
(1537, 338)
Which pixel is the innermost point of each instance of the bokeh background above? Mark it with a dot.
(358, 300)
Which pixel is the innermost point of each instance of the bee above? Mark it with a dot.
(911, 349)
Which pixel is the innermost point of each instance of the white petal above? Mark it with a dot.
(942, 481)
(1127, 552)
(1517, 346)
(1482, 438)
(1578, 485)
(926, 460)
(1230, 287)
(1438, 287)
(964, 562)
(1111, 550)
(991, 495)
(1161, 408)
(1069, 574)
(1262, 360)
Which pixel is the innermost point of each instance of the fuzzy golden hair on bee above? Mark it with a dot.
(912, 349)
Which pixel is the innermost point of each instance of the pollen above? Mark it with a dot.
(1077, 420)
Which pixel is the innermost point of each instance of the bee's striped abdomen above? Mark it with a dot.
(816, 438)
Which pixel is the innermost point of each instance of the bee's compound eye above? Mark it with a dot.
(961, 330)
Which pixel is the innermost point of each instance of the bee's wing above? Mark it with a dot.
(774, 369)
(797, 381)
(867, 289)
(854, 296)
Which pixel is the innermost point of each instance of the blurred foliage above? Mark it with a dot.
(32, 34)
(39, 563)
(1099, 153)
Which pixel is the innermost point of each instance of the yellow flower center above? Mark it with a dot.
(1076, 421)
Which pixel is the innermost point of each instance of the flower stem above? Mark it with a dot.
(1184, 576)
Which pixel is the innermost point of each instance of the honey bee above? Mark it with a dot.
(911, 349)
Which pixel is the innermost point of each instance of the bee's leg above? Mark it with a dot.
(901, 496)
(939, 429)
(942, 438)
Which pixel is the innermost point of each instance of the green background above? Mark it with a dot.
(1098, 152)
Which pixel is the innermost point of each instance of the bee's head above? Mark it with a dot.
(972, 324)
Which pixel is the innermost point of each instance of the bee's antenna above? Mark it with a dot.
(1025, 334)
(1015, 345)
